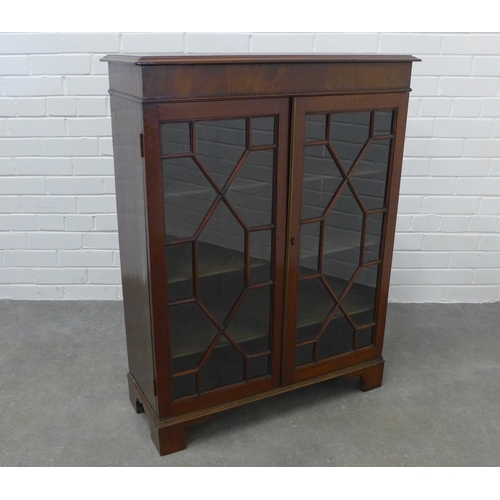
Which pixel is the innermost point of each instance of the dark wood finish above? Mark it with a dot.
(168, 437)
(148, 90)
(157, 264)
(197, 77)
(188, 82)
(126, 79)
(371, 377)
(389, 230)
(154, 114)
(366, 371)
(398, 102)
(154, 59)
(131, 208)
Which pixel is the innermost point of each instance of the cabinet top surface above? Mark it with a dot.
(176, 59)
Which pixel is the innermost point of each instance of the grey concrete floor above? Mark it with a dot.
(64, 400)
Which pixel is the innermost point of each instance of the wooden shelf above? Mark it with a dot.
(358, 301)
(365, 172)
(227, 263)
(254, 328)
(330, 247)
(198, 330)
(222, 260)
(237, 184)
(244, 184)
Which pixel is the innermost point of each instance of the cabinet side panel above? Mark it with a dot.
(125, 78)
(131, 208)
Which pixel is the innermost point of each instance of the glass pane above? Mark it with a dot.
(342, 217)
(251, 192)
(321, 180)
(250, 325)
(370, 177)
(314, 305)
(304, 354)
(364, 337)
(342, 241)
(221, 262)
(383, 122)
(219, 146)
(309, 248)
(359, 301)
(184, 385)
(315, 128)
(187, 197)
(224, 366)
(258, 367)
(175, 138)
(374, 223)
(260, 256)
(337, 338)
(190, 335)
(180, 271)
(263, 131)
(348, 134)
(209, 267)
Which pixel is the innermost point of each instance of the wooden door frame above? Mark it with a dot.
(317, 104)
(154, 114)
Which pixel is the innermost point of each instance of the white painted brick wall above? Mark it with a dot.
(57, 207)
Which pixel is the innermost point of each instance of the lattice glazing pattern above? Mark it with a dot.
(346, 161)
(219, 187)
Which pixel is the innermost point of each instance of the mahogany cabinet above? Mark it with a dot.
(257, 199)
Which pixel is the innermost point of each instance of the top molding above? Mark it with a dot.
(170, 77)
(255, 58)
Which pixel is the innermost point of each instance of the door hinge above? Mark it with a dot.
(141, 140)
(155, 391)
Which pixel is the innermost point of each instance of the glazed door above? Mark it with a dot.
(346, 160)
(222, 176)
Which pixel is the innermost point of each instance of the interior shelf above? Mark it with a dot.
(351, 241)
(236, 185)
(244, 184)
(365, 172)
(358, 302)
(194, 332)
(225, 260)
(216, 260)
